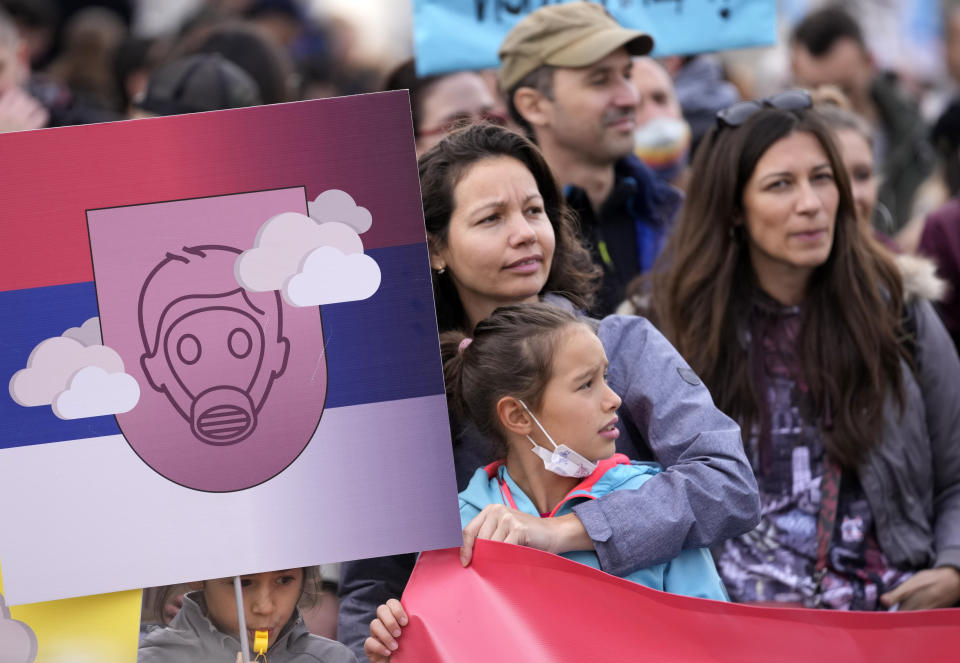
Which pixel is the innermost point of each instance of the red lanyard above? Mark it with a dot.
(508, 498)
(506, 495)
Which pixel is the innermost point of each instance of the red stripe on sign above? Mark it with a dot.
(52, 177)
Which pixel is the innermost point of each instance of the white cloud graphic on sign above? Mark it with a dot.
(330, 277)
(18, 644)
(313, 260)
(52, 363)
(281, 246)
(93, 392)
(87, 334)
(338, 207)
(53, 376)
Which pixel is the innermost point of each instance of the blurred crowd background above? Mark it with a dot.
(93, 57)
(80, 61)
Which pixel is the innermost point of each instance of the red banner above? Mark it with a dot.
(518, 604)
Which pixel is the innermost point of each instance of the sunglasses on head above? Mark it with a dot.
(463, 119)
(740, 112)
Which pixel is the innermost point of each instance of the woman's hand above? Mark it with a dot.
(927, 589)
(500, 523)
(384, 631)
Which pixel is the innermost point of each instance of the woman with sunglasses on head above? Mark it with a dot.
(799, 325)
(500, 234)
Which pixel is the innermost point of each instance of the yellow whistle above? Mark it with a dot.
(260, 641)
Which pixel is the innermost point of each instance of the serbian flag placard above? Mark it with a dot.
(219, 349)
(519, 604)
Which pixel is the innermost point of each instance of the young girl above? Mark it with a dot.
(206, 629)
(533, 379)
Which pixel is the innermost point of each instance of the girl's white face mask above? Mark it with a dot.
(562, 460)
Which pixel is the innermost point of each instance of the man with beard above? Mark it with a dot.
(566, 74)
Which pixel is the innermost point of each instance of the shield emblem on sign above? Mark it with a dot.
(232, 381)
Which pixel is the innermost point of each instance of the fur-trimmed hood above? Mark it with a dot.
(920, 280)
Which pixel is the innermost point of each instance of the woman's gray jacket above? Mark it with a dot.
(912, 478)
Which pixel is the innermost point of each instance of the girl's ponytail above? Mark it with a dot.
(452, 356)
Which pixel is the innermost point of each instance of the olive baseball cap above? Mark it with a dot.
(574, 34)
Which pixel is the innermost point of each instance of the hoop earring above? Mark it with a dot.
(441, 271)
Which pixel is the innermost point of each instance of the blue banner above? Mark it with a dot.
(452, 35)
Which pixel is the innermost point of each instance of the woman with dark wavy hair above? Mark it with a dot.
(500, 234)
(509, 157)
(844, 384)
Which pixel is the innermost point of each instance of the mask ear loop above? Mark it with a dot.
(537, 422)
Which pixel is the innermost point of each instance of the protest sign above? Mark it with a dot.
(452, 35)
(221, 349)
(520, 604)
(89, 628)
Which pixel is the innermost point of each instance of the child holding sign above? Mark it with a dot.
(533, 378)
(206, 630)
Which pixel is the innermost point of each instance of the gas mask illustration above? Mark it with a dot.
(214, 352)
(232, 379)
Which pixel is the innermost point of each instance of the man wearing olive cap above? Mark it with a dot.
(565, 71)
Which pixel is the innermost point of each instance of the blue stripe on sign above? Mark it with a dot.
(385, 348)
(381, 349)
(31, 316)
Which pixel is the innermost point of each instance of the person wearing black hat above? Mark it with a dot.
(566, 74)
(197, 83)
